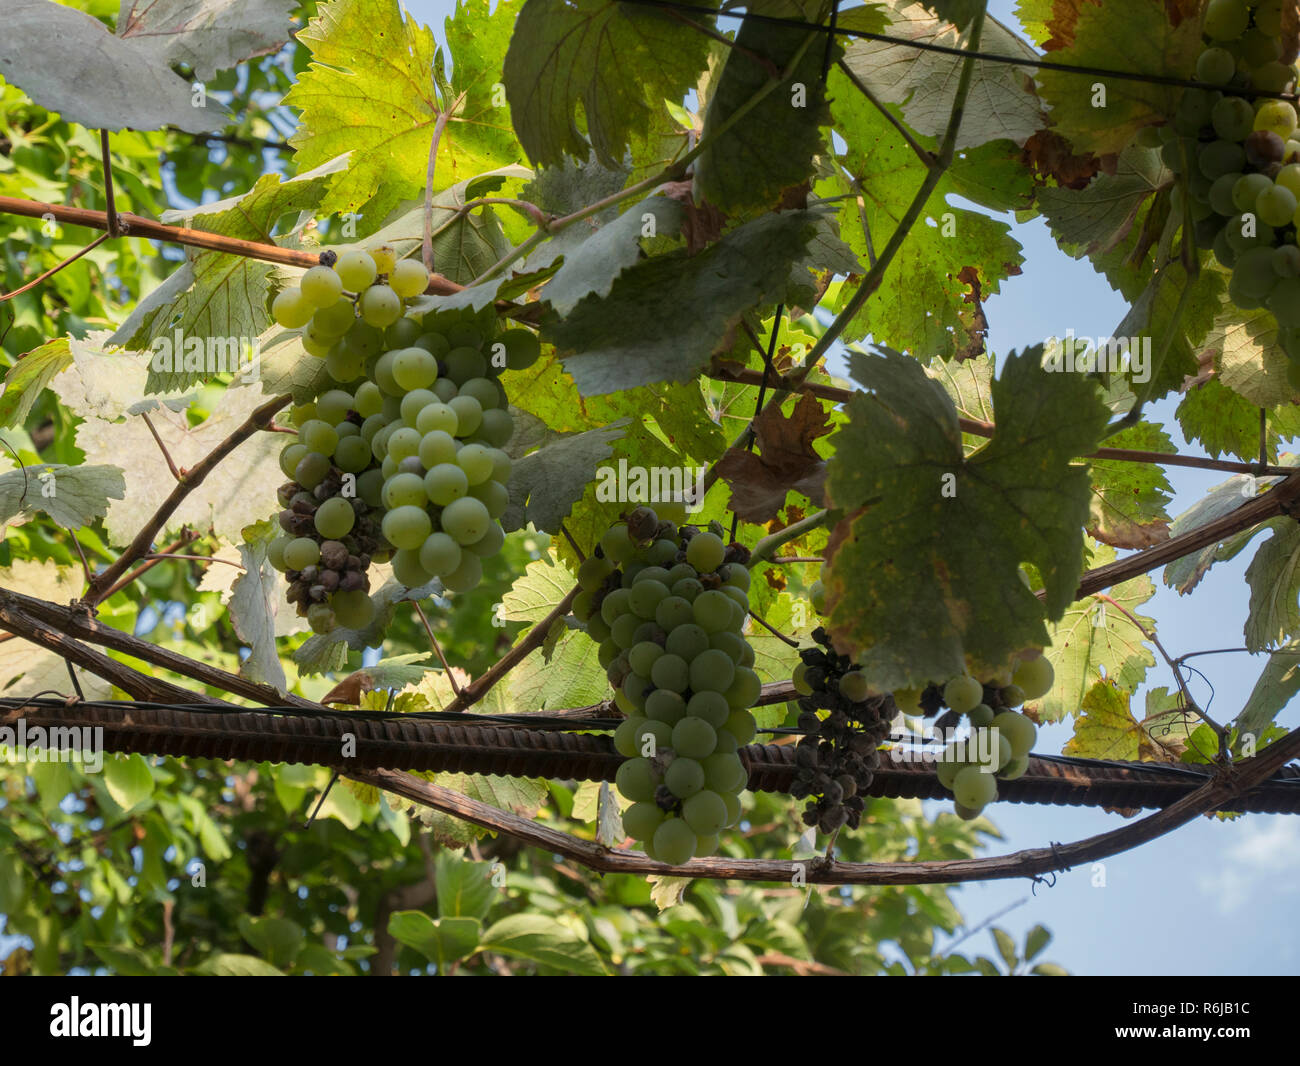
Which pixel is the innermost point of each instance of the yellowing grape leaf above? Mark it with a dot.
(25, 668)
(1129, 499)
(945, 534)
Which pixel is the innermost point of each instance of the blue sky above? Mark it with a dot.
(1213, 897)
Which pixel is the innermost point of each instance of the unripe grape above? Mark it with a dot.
(408, 278)
(320, 286)
(356, 269)
(380, 306)
(290, 309)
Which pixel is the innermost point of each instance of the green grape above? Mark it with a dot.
(801, 686)
(616, 544)
(311, 470)
(516, 349)
(407, 527)
(713, 611)
(642, 819)
(1289, 178)
(494, 495)
(651, 573)
(403, 333)
(734, 808)
(497, 427)
(635, 780)
(380, 306)
(469, 413)
(1034, 676)
(435, 343)
(1273, 77)
(686, 641)
(661, 552)
(711, 707)
(320, 286)
(1221, 157)
(593, 571)
(645, 598)
(1253, 274)
(1012, 695)
(404, 490)
(302, 413)
(614, 605)
(370, 486)
(371, 426)
(408, 571)
(382, 374)
(1216, 66)
(408, 278)
(275, 552)
(642, 656)
(712, 671)
(1284, 302)
(290, 309)
(684, 777)
(414, 368)
(670, 672)
(1277, 116)
(316, 345)
(464, 363)
(727, 743)
(463, 334)
(1246, 190)
(437, 448)
(1019, 731)
(465, 519)
(291, 456)
(908, 700)
(333, 406)
(705, 552)
(413, 403)
(343, 364)
(482, 389)
(980, 715)
(352, 454)
(501, 465)
(301, 552)
(947, 766)
(973, 788)
(321, 618)
(476, 461)
(384, 258)
(725, 773)
(1276, 206)
(1221, 194)
(436, 415)
(444, 484)
(694, 738)
(664, 705)
(334, 320)
(353, 608)
(364, 339)
(705, 813)
(319, 436)
(347, 429)
(403, 443)
(466, 576)
(733, 644)
(1014, 769)
(674, 843)
(963, 693)
(741, 725)
(356, 269)
(744, 689)
(627, 738)
(490, 543)
(1232, 118)
(1224, 20)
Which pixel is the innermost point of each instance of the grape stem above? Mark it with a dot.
(766, 548)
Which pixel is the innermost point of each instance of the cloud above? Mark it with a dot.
(1264, 846)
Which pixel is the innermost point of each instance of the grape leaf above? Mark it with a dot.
(523, 795)
(787, 461)
(100, 384)
(73, 496)
(227, 302)
(1105, 728)
(665, 316)
(369, 90)
(443, 942)
(1277, 685)
(567, 187)
(945, 534)
(1274, 580)
(969, 385)
(1250, 361)
(1137, 37)
(1098, 637)
(739, 170)
(592, 266)
(919, 305)
(256, 598)
(206, 35)
(1185, 574)
(67, 61)
(25, 668)
(545, 484)
(1097, 217)
(238, 492)
(1222, 420)
(1001, 103)
(546, 941)
(27, 378)
(618, 62)
(1129, 499)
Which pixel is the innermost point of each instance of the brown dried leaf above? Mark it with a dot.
(1050, 156)
(703, 222)
(759, 482)
(350, 690)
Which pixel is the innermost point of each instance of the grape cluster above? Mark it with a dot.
(1240, 162)
(836, 759)
(668, 605)
(403, 458)
(1000, 737)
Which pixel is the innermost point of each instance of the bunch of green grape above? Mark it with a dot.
(410, 439)
(1239, 158)
(668, 606)
(330, 516)
(1000, 738)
